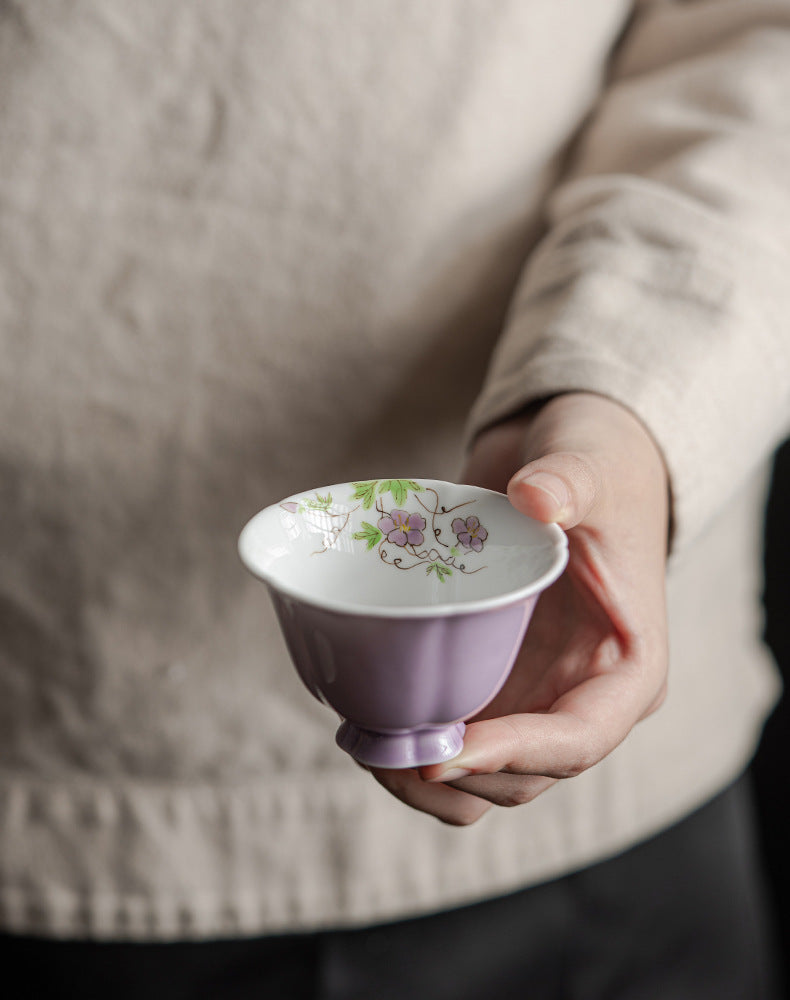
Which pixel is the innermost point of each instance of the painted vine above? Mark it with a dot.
(399, 528)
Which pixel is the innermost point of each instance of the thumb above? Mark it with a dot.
(561, 488)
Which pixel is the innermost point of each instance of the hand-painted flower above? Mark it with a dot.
(403, 528)
(471, 533)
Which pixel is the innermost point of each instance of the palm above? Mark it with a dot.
(570, 638)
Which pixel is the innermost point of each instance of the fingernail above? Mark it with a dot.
(452, 774)
(550, 484)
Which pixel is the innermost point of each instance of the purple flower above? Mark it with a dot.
(471, 533)
(402, 528)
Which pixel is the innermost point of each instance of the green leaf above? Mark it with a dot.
(320, 503)
(370, 534)
(399, 488)
(442, 572)
(366, 492)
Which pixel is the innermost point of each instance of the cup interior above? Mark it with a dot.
(405, 547)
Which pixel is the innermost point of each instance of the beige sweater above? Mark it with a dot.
(248, 248)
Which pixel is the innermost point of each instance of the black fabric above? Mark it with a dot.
(772, 763)
(679, 917)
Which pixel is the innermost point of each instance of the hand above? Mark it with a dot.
(594, 660)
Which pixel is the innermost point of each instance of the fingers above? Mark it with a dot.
(562, 488)
(463, 801)
(448, 804)
(582, 728)
(503, 789)
(510, 760)
(555, 745)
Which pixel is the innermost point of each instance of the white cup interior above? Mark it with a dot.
(339, 555)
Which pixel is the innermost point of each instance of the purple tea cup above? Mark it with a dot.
(403, 604)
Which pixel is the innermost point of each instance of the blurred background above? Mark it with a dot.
(772, 763)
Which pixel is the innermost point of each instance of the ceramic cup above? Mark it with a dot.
(403, 603)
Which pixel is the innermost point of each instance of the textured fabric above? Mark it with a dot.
(679, 916)
(250, 248)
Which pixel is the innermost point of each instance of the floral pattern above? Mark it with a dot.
(470, 532)
(399, 534)
(403, 528)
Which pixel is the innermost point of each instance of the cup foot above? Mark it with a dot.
(405, 748)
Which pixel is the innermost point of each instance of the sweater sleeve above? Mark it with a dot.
(663, 280)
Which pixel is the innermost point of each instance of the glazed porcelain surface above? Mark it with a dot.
(403, 603)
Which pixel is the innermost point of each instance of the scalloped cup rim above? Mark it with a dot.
(554, 536)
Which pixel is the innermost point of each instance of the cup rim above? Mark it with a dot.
(555, 536)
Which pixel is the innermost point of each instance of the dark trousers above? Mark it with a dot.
(680, 917)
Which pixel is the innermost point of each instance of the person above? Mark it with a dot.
(253, 248)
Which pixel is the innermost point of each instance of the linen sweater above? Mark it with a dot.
(250, 248)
